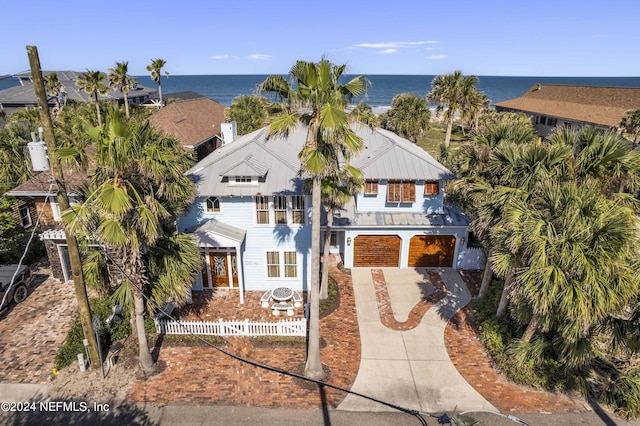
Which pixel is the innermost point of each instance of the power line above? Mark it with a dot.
(321, 383)
(24, 254)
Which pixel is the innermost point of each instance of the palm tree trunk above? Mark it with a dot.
(504, 298)
(487, 276)
(95, 96)
(532, 327)
(324, 286)
(447, 137)
(146, 361)
(160, 94)
(313, 366)
(126, 104)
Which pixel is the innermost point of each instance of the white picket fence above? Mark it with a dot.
(285, 327)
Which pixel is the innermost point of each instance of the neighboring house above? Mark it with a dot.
(551, 105)
(24, 95)
(196, 123)
(252, 218)
(36, 195)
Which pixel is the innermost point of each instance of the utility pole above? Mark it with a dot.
(63, 202)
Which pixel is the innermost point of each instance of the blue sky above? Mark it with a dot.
(491, 37)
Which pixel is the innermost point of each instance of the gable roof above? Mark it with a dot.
(602, 106)
(385, 156)
(192, 121)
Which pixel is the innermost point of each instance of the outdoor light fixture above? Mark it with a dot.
(348, 241)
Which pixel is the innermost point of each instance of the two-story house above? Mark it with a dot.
(252, 218)
(552, 105)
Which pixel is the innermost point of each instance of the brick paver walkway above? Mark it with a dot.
(204, 375)
(32, 332)
(474, 364)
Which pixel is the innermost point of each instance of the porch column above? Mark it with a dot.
(240, 275)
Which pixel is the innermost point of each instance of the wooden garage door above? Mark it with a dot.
(376, 251)
(431, 250)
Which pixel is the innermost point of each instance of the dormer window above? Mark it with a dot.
(243, 179)
(213, 205)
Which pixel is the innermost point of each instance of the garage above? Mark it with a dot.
(376, 251)
(431, 251)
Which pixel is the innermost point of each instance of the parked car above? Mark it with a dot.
(20, 288)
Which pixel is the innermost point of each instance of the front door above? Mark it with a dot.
(219, 269)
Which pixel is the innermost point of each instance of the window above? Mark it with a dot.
(25, 217)
(401, 192)
(552, 122)
(213, 205)
(297, 209)
(333, 239)
(273, 264)
(243, 179)
(543, 120)
(55, 209)
(432, 187)
(262, 210)
(290, 264)
(371, 187)
(280, 207)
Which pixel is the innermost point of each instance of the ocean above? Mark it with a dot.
(381, 90)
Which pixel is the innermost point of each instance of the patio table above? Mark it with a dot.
(282, 294)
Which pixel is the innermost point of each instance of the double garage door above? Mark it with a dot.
(384, 251)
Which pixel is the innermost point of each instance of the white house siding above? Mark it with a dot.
(241, 213)
(378, 203)
(459, 232)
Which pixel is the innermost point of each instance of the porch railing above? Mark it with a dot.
(285, 327)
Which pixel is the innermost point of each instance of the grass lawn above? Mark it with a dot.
(434, 137)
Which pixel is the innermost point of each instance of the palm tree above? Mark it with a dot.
(409, 116)
(134, 197)
(92, 82)
(250, 112)
(155, 67)
(336, 192)
(576, 250)
(630, 124)
(316, 99)
(120, 80)
(453, 93)
(53, 87)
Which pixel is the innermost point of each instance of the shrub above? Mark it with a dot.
(73, 344)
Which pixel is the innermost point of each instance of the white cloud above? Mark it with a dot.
(225, 56)
(388, 51)
(258, 57)
(438, 56)
(394, 44)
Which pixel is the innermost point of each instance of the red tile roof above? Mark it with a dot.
(602, 106)
(191, 121)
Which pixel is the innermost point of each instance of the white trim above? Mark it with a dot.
(281, 266)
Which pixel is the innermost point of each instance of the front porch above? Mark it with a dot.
(212, 305)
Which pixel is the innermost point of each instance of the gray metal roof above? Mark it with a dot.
(451, 215)
(248, 166)
(388, 156)
(25, 94)
(220, 228)
(385, 156)
(278, 159)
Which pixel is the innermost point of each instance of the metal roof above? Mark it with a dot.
(451, 215)
(219, 228)
(25, 94)
(385, 156)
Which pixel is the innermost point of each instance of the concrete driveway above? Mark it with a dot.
(404, 359)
